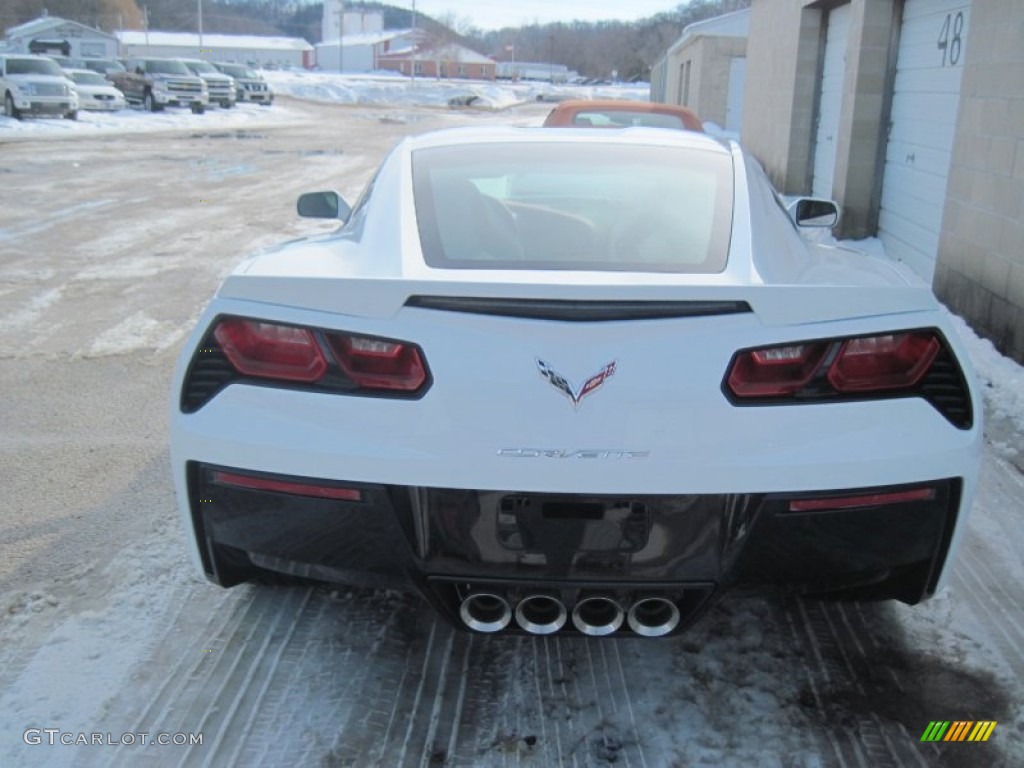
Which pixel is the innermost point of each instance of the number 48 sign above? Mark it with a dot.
(951, 40)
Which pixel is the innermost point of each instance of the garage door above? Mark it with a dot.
(734, 99)
(926, 94)
(830, 100)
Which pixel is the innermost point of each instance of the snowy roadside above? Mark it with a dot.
(138, 121)
(392, 89)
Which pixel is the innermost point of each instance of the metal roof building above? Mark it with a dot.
(50, 34)
(255, 50)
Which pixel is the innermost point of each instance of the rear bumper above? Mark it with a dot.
(449, 543)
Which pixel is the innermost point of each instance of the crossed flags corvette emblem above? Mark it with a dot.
(563, 385)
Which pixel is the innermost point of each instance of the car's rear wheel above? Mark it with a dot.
(149, 103)
(9, 109)
(198, 109)
(72, 115)
(227, 104)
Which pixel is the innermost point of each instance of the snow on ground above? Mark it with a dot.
(1002, 385)
(139, 121)
(392, 89)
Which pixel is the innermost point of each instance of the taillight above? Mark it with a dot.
(269, 350)
(893, 361)
(296, 357)
(916, 362)
(775, 371)
(379, 363)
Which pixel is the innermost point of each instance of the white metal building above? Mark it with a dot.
(246, 49)
(705, 69)
(49, 34)
(362, 51)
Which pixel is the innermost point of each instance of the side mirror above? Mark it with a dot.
(813, 212)
(323, 205)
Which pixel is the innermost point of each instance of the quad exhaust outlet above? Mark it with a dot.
(544, 612)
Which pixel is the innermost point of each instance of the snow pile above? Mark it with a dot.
(1002, 385)
(393, 89)
(139, 121)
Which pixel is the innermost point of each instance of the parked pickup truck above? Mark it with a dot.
(157, 83)
(220, 86)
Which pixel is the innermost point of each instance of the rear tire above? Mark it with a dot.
(198, 109)
(9, 109)
(72, 115)
(227, 104)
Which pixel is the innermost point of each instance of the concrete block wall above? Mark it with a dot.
(783, 55)
(980, 269)
(870, 58)
(712, 76)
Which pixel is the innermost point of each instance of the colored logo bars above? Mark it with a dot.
(958, 730)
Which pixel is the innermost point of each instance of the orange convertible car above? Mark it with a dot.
(612, 113)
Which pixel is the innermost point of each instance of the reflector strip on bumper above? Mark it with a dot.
(283, 486)
(870, 500)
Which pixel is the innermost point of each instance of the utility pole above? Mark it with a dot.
(341, 35)
(200, 23)
(415, 42)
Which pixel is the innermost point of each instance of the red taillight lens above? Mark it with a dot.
(271, 351)
(379, 363)
(893, 361)
(287, 486)
(775, 371)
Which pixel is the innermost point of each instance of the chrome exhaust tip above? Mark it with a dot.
(485, 612)
(597, 615)
(541, 614)
(653, 616)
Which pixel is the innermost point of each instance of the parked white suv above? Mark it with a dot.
(35, 85)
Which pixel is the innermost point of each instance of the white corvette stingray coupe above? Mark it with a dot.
(575, 381)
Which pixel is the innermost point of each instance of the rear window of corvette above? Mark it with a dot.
(574, 206)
